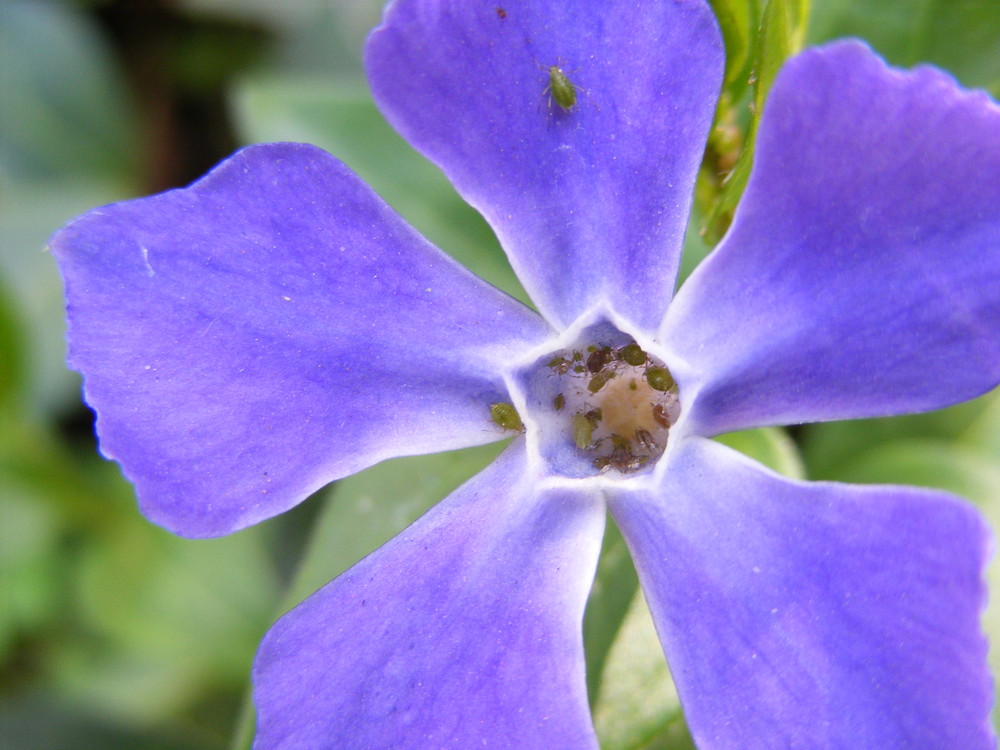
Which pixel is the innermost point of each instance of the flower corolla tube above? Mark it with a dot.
(276, 326)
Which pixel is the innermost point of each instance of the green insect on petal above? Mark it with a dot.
(506, 416)
(599, 381)
(561, 88)
(583, 431)
(633, 354)
(659, 378)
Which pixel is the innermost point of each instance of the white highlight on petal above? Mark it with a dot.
(145, 260)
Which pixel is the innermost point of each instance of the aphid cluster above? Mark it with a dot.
(623, 403)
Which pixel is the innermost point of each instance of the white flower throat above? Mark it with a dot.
(603, 405)
(618, 404)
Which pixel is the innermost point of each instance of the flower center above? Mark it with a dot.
(603, 406)
(619, 404)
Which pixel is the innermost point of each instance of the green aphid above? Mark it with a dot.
(659, 379)
(577, 356)
(583, 431)
(633, 354)
(559, 365)
(560, 88)
(559, 402)
(506, 416)
(599, 381)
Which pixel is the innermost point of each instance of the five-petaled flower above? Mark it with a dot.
(276, 326)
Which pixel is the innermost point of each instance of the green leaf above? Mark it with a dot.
(31, 212)
(68, 142)
(70, 113)
(771, 446)
(39, 720)
(615, 586)
(736, 20)
(962, 36)
(12, 350)
(830, 447)
(982, 433)
(929, 463)
(31, 563)
(177, 620)
(637, 706)
(695, 248)
(775, 43)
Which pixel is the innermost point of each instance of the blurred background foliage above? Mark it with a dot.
(116, 634)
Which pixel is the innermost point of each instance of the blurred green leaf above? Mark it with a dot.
(63, 109)
(30, 564)
(736, 20)
(637, 706)
(615, 586)
(206, 56)
(342, 119)
(12, 350)
(147, 625)
(962, 36)
(40, 721)
(32, 211)
(771, 446)
(695, 249)
(35, 461)
(309, 36)
(177, 618)
(830, 447)
(982, 433)
(928, 462)
(67, 143)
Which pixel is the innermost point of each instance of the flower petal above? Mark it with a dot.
(813, 615)
(464, 631)
(271, 328)
(590, 202)
(861, 276)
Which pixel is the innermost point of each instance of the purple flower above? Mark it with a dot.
(275, 326)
